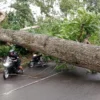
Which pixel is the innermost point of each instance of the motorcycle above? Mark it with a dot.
(10, 69)
(40, 63)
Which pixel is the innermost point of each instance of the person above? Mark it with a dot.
(14, 56)
(36, 58)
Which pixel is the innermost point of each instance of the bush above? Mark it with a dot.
(21, 50)
(4, 50)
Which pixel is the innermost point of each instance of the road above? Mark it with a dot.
(37, 84)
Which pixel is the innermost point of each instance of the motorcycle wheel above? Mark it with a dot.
(44, 65)
(31, 64)
(5, 74)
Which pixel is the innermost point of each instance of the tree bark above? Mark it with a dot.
(80, 54)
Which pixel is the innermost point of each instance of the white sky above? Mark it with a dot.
(4, 5)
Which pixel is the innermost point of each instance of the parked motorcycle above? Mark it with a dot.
(10, 69)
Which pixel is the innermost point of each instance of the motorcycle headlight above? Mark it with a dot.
(6, 64)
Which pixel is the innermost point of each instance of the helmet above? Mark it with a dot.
(11, 51)
(34, 55)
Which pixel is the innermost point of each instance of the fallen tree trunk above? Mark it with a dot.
(80, 54)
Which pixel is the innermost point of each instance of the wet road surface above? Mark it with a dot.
(46, 84)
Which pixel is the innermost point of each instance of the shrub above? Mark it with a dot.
(4, 50)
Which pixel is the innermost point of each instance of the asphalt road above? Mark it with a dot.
(37, 84)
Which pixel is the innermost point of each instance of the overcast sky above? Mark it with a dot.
(5, 5)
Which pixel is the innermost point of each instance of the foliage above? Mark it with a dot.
(11, 22)
(23, 13)
(21, 17)
(45, 5)
(83, 24)
(92, 5)
(67, 5)
(65, 67)
(50, 26)
(50, 58)
(4, 50)
(62, 67)
(21, 50)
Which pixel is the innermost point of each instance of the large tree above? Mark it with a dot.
(93, 5)
(82, 55)
(23, 14)
(67, 5)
